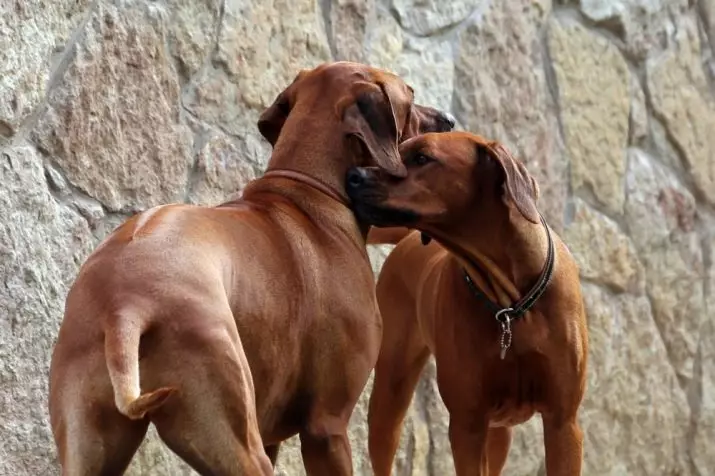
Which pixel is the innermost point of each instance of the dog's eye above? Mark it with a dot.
(420, 159)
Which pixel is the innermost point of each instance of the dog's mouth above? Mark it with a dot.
(369, 209)
(384, 216)
(368, 197)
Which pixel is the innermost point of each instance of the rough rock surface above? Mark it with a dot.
(112, 106)
(592, 79)
(96, 126)
(33, 36)
(683, 100)
(501, 91)
(42, 242)
(603, 252)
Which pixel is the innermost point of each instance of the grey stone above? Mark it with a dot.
(602, 251)
(632, 393)
(643, 25)
(429, 17)
(639, 113)
(32, 35)
(348, 25)
(426, 65)
(193, 27)
(113, 121)
(702, 451)
(263, 45)
(222, 169)
(661, 215)
(41, 245)
(683, 100)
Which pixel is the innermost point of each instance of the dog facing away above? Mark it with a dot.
(234, 327)
(496, 300)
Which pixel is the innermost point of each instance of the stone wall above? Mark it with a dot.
(108, 107)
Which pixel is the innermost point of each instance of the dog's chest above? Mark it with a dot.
(514, 389)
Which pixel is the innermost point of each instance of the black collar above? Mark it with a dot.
(518, 309)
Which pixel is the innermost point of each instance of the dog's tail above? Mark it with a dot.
(121, 349)
(387, 236)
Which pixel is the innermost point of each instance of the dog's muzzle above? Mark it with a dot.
(356, 178)
(447, 122)
(367, 195)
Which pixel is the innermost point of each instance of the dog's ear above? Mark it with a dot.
(271, 121)
(519, 186)
(370, 117)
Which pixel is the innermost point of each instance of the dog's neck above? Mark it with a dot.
(318, 152)
(322, 154)
(503, 252)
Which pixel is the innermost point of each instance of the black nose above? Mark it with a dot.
(449, 119)
(356, 178)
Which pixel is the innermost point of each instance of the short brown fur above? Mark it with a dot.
(234, 327)
(479, 204)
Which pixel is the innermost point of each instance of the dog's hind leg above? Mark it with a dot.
(92, 437)
(211, 422)
(403, 355)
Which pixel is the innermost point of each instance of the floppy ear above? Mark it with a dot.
(519, 186)
(271, 121)
(371, 119)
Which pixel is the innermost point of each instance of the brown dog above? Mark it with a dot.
(238, 326)
(497, 302)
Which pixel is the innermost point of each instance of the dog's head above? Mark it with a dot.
(449, 177)
(374, 109)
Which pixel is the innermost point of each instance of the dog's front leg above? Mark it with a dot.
(563, 440)
(469, 440)
(325, 448)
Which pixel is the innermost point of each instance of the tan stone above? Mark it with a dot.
(32, 35)
(660, 215)
(501, 92)
(603, 252)
(41, 245)
(593, 84)
(113, 121)
(634, 415)
(682, 99)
